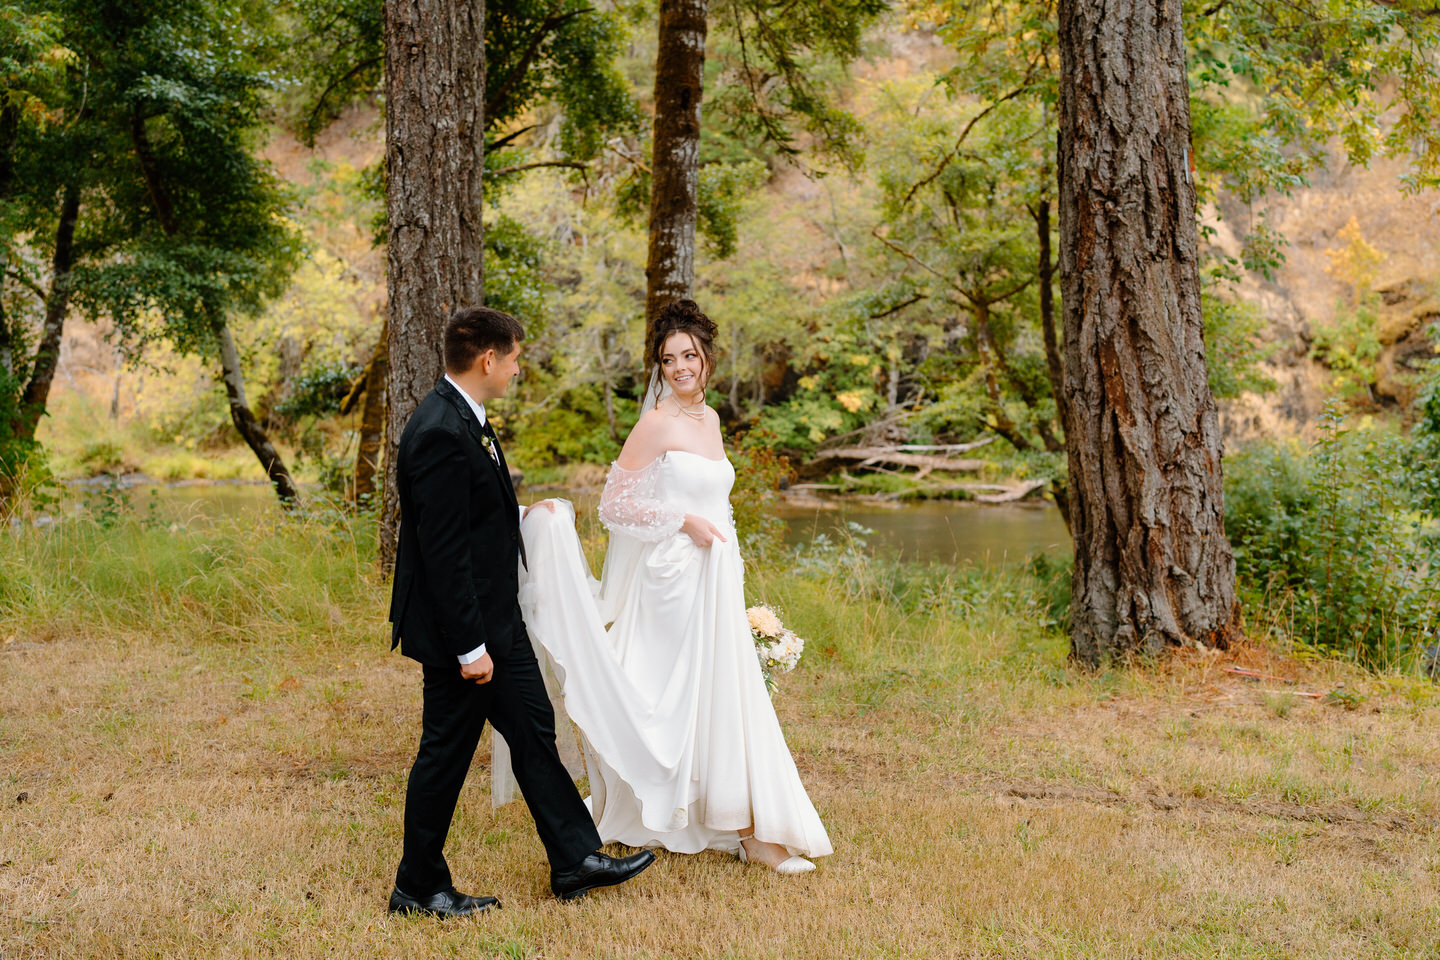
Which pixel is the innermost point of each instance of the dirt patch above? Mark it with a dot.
(1350, 819)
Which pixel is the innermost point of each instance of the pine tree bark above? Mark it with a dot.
(1152, 565)
(57, 304)
(434, 159)
(675, 161)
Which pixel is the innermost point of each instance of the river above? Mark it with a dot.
(939, 531)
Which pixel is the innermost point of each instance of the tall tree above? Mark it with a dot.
(1152, 565)
(434, 161)
(138, 185)
(675, 157)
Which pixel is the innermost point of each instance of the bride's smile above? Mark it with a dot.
(683, 366)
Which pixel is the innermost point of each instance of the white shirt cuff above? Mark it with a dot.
(473, 655)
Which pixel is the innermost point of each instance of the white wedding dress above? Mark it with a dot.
(682, 745)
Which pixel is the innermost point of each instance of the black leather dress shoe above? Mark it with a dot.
(446, 903)
(597, 870)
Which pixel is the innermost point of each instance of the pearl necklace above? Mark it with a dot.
(690, 410)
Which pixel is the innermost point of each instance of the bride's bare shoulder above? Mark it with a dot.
(646, 442)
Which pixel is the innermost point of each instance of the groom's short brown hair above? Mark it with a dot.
(471, 331)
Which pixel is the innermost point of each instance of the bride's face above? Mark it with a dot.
(683, 366)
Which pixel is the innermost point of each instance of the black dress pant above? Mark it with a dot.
(455, 711)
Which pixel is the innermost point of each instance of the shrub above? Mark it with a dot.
(1330, 544)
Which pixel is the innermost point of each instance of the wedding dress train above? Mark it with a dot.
(683, 747)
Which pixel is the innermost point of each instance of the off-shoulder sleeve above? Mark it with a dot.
(631, 506)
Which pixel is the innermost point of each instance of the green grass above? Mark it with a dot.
(212, 739)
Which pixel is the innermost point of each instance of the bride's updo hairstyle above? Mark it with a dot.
(681, 316)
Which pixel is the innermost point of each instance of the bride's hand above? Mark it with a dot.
(700, 530)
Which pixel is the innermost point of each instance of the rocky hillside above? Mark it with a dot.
(1308, 293)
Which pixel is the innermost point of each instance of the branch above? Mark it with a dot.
(27, 283)
(898, 307)
(549, 25)
(955, 150)
(497, 144)
(875, 232)
(532, 166)
(150, 169)
(625, 156)
(314, 118)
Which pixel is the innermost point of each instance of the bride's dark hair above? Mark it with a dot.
(681, 316)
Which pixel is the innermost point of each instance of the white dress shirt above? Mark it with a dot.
(477, 408)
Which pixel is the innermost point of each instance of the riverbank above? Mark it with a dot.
(204, 741)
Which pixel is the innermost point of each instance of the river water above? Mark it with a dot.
(933, 531)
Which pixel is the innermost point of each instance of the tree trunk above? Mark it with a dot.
(1152, 565)
(1054, 361)
(47, 354)
(675, 163)
(434, 158)
(245, 421)
(372, 422)
(9, 126)
(606, 381)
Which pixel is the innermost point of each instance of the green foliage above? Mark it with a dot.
(560, 56)
(1233, 350)
(785, 61)
(1329, 543)
(318, 391)
(832, 399)
(760, 472)
(1349, 346)
(721, 195)
(180, 224)
(515, 280)
(1422, 464)
(574, 429)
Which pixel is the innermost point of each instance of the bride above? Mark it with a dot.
(682, 745)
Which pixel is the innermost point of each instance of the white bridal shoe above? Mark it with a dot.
(789, 868)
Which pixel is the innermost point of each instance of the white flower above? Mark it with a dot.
(764, 622)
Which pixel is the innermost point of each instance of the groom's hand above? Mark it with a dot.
(547, 504)
(478, 670)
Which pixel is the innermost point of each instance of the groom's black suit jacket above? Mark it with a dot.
(456, 579)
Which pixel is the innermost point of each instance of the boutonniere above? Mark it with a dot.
(489, 446)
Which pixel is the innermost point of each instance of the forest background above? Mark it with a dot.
(876, 241)
(204, 735)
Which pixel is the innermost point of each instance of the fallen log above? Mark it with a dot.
(1016, 492)
(892, 456)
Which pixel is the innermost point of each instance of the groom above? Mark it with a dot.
(455, 609)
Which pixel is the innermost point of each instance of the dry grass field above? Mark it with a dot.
(204, 740)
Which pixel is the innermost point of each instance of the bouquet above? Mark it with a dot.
(779, 649)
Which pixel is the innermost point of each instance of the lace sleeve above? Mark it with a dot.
(630, 506)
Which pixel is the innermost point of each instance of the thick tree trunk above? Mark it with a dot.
(57, 304)
(372, 422)
(434, 158)
(1152, 565)
(675, 163)
(245, 421)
